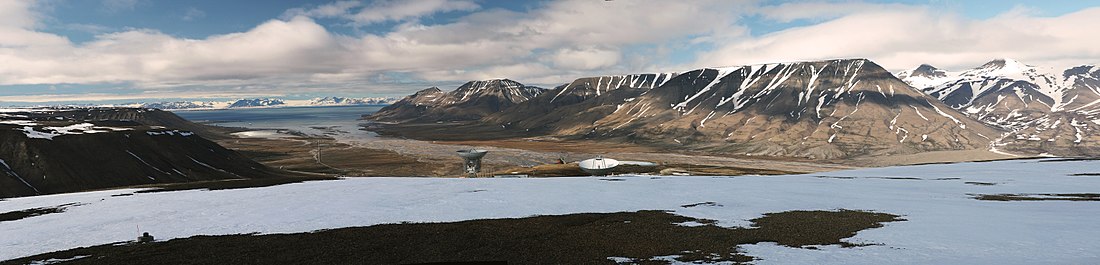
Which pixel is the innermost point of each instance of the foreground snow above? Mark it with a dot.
(945, 225)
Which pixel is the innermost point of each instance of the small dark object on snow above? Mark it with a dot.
(145, 238)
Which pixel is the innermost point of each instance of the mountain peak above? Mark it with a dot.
(927, 71)
(429, 90)
(1004, 63)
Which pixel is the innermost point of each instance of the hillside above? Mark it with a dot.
(576, 103)
(46, 151)
(1047, 110)
(819, 110)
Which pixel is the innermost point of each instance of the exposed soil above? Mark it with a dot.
(977, 183)
(301, 154)
(1039, 197)
(710, 204)
(834, 177)
(16, 215)
(230, 184)
(588, 238)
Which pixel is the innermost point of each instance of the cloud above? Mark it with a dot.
(788, 12)
(331, 10)
(17, 14)
(192, 14)
(87, 28)
(550, 44)
(547, 44)
(391, 10)
(586, 58)
(382, 10)
(96, 97)
(902, 37)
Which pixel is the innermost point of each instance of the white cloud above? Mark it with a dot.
(548, 44)
(586, 58)
(17, 14)
(788, 12)
(903, 37)
(331, 10)
(94, 97)
(193, 13)
(391, 10)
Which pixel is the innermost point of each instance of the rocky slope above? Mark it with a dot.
(47, 151)
(819, 110)
(471, 101)
(1047, 110)
(577, 103)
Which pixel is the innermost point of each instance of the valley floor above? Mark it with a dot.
(1004, 212)
(391, 156)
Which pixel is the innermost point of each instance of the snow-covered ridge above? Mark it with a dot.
(35, 130)
(991, 76)
(845, 69)
(505, 88)
(602, 84)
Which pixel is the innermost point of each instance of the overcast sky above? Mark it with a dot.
(88, 51)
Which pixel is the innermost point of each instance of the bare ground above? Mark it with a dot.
(587, 238)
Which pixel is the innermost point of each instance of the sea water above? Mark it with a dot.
(333, 121)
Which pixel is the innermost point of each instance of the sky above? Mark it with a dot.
(117, 51)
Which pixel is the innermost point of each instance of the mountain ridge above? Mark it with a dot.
(1029, 101)
(470, 101)
(826, 109)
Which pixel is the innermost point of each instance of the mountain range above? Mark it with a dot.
(1044, 110)
(471, 101)
(256, 103)
(820, 110)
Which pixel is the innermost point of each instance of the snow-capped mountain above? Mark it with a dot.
(258, 102)
(924, 76)
(179, 105)
(577, 103)
(821, 110)
(1048, 110)
(471, 101)
(343, 101)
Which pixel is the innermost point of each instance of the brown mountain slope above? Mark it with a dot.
(56, 151)
(1047, 110)
(471, 101)
(821, 110)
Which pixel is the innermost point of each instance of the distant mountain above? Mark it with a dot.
(48, 151)
(259, 102)
(341, 101)
(178, 105)
(471, 101)
(1048, 110)
(256, 103)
